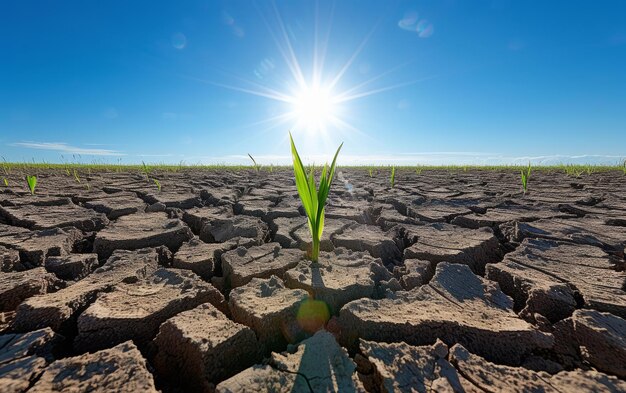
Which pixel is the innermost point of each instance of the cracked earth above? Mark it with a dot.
(451, 281)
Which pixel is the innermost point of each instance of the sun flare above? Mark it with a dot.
(314, 108)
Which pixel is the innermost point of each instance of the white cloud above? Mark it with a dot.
(63, 147)
(423, 158)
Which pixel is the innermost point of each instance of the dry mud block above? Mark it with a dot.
(590, 231)
(266, 209)
(202, 258)
(413, 273)
(490, 377)
(553, 278)
(10, 260)
(243, 264)
(118, 369)
(134, 311)
(455, 306)
(177, 199)
(56, 310)
(54, 216)
(35, 246)
(505, 213)
(16, 287)
(201, 346)
(217, 224)
(341, 276)
(598, 338)
(23, 358)
(294, 232)
(140, 231)
(72, 266)
(433, 212)
(117, 205)
(399, 367)
(319, 364)
(370, 238)
(270, 309)
(444, 242)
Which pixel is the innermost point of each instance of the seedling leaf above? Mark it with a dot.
(313, 200)
(32, 183)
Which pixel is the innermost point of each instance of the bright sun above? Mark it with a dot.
(313, 108)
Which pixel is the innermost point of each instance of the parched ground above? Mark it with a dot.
(452, 281)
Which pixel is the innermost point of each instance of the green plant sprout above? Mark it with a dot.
(146, 170)
(6, 182)
(5, 166)
(371, 172)
(32, 183)
(393, 176)
(418, 171)
(157, 183)
(76, 177)
(313, 200)
(525, 177)
(257, 167)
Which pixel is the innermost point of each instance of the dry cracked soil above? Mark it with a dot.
(452, 281)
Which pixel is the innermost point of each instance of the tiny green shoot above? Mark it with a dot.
(371, 172)
(146, 170)
(257, 167)
(393, 176)
(32, 183)
(6, 182)
(157, 183)
(525, 176)
(76, 177)
(313, 200)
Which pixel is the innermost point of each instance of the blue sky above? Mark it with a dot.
(414, 81)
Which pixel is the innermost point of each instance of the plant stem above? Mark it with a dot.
(315, 248)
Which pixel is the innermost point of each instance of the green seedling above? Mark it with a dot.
(76, 177)
(525, 176)
(5, 166)
(157, 183)
(418, 171)
(624, 167)
(371, 172)
(257, 167)
(6, 182)
(313, 200)
(32, 183)
(146, 170)
(271, 168)
(393, 176)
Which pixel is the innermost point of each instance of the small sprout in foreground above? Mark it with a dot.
(393, 176)
(525, 177)
(313, 200)
(32, 183)
(6, 182)
(418, 171)
(257, 167)
(371, 172)
(158, 184)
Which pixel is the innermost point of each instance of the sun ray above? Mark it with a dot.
(382, 89)
(312, 105)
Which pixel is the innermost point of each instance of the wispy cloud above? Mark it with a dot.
(63, 147)
(425, 158)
